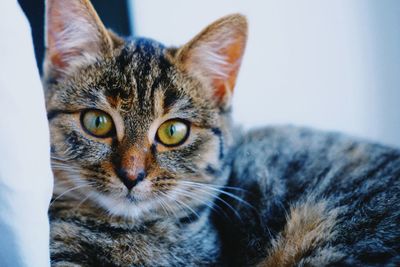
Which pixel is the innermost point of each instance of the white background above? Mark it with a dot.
(327, 64)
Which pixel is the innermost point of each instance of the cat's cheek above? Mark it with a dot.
(211, 154)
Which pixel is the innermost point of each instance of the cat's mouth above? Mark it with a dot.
(131, 198)
(141, 192)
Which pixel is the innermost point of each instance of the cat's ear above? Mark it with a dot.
(74, 34)
(214, 56)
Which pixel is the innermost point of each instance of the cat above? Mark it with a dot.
(139, 138)
(150, 170)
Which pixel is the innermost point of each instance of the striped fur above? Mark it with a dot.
(279, 196)
(163, 220)
(318, 199)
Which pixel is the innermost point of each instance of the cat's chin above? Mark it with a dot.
(126, 206)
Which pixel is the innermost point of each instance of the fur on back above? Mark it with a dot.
(317, 199)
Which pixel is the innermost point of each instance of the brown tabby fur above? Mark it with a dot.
(309, 225)
(164, 219)
(279, 196)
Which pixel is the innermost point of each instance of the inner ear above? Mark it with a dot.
(74, 33)
(214, 56)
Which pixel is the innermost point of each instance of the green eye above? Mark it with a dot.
(97, 123)
(173, 132)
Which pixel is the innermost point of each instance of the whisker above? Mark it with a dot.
(165, 206)
(81, 202)
(220, 199)
(67, 191)
(181, 203)
(209, 204)
(202, 185)
(235, 188)
(65, 159)
(71, 180)
(56, 158)
(216, 186)
(174, 202)
(57, 168)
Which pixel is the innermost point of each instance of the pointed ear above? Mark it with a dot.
(74, 34)
(214, 56)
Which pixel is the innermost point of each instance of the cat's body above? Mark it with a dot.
(142, 146)
(319, 199)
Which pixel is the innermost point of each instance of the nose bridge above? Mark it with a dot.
(133, 147)
(133, 163)
(133, 153)
(134, 158)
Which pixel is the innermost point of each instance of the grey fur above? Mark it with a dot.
(285, 167)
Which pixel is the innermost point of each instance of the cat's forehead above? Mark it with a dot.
(136, 73)
(143, 58)
(131, 77)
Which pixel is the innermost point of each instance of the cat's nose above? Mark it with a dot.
(132, 168)
(130, 178)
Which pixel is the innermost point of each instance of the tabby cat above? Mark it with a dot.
(150, 172)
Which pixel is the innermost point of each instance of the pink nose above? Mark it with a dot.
(132, 167)
(130, 179)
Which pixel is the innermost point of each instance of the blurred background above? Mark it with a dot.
(332, 65)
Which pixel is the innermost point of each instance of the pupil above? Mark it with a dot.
(172, 130)
(98, 122)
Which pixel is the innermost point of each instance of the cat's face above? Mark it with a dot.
(136, 127)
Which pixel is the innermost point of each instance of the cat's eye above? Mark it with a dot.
(173, 132)
(97, 123)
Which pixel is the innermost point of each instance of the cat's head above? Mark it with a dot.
(136, 127)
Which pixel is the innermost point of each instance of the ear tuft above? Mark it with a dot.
(214, 56)
(74, 33)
